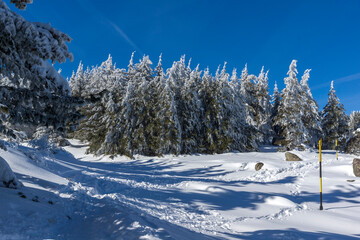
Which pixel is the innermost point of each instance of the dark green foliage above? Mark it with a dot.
(155, 114)
(334, 122)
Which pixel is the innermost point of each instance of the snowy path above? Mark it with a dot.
(185, 197)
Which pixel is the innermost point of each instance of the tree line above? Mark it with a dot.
(180, 110)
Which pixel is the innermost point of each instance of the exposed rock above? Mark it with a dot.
(258, 166)
(353, 144)
(292, 157)
(279, 142)
(356, 167)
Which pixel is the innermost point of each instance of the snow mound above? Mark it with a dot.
(280, 201)
(7, 176)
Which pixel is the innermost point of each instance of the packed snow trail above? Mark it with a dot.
(184, 197)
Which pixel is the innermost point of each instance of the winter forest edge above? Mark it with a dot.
(141, 110)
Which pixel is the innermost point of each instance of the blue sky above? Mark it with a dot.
(321, 35)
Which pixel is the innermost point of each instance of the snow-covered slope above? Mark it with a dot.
(70, 195)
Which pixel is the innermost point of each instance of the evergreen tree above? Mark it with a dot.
(311, 117)
(334, 121)
(192, 111)
(30, 88)
(170, 140)
(210, 122)
(275, 100)
(291, 111)
(78, 81)
(224, 97)
(244, 135)
(248, 93)
(354, 122)
(263, 108)
(102, 90)
(43, 43)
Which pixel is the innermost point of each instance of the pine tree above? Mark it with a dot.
(210, 122)
(43, 43)
(248, 93)
(170, 132)
(263, 108)
(334, 121)
(33, 91)
(354, 122)
(224, 96)
(192, 112)
(275, 100)
(78, 81)
(311, 117)
(101, 89)
(290, 112)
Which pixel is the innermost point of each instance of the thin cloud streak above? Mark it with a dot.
(123, 35)
(89, 7)
(339, 81)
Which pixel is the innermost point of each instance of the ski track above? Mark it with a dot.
(129, 193)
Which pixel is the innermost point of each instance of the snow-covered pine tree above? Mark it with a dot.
(354, 122)
(334, 121)
(275, 103)
(224, 96)
(35, 93)
(81, 88)
(248, 93)
(78, 82)
(235, 81)
(177, 75)
(243, 135)
(311, 117)
(101, 89)
(237, 134)
(291, 111)
(170, 132)
(191, 115)
(263, 108)
(43, 43)
(139, 105)
(210, 123)
(153, 127)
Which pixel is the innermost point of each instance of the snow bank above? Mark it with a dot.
(7, 176)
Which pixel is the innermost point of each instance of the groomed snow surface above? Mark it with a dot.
(70, 195)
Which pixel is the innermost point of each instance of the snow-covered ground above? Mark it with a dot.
(70, 195)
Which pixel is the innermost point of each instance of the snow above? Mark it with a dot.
(70, 195)
(7, 176)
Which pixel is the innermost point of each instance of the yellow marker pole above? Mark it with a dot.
(321, 206)
(336, 148)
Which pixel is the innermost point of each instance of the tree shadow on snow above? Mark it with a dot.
(290, 233)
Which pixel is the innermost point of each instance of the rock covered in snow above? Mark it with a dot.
(292, 157)
(353, 144)
(7, 176)
(356, 167)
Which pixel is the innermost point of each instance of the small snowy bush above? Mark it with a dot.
(7, 176)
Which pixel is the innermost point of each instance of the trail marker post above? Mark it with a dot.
(336, 148)
(321, 206)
